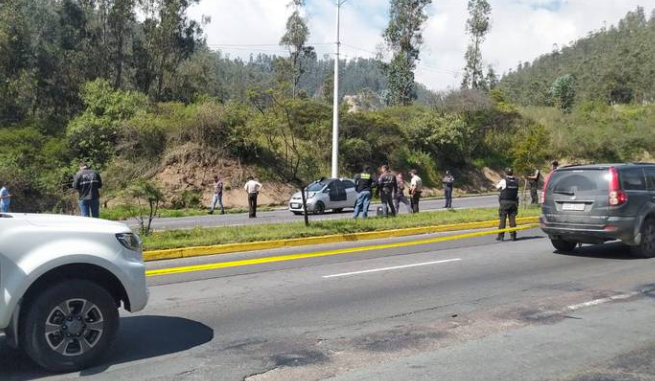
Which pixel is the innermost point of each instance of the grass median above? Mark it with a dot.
(173, 239)
(122, 213)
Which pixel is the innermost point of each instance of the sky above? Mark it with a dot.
(521, 29)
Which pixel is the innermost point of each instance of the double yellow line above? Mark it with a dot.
(294, 257)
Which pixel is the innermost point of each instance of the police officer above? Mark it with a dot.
(364, 186)
(509, 202)
(387, 186)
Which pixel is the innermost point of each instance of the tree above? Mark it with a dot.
(295, 39)
(492, 78)
(563, 92)
(120, 18)
(169, 38)
(404, 37)
(145, 198)
(478, 25)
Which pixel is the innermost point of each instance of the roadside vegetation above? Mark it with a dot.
(266, 232)
(79, 83)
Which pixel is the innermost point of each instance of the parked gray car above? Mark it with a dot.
(598, 203)
(326, 194)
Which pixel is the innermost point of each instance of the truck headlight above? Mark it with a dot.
(131, 241)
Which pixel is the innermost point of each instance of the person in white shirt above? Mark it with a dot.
(252, 187)
(415, 189)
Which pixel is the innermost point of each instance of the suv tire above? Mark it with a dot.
(69, 326)
(646, 248)
(563, 245)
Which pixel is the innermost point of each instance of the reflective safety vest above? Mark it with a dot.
(511, 191)
(364, 182)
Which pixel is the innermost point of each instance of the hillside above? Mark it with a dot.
(614, 65)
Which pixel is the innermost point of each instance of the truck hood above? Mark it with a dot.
(72, 222)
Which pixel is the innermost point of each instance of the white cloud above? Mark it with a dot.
(522, 29)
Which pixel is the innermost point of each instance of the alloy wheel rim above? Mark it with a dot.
(74, 327)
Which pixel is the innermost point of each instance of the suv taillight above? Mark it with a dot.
(543, 191)
(617, 196)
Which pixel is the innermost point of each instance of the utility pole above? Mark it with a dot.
(335, 116)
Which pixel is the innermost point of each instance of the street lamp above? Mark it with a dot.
(335, 116)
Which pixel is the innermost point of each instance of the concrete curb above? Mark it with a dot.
(190, 252)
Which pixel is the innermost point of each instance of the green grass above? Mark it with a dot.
(121, 213)
(266, 232)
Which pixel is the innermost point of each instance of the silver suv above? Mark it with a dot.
(326, 194)
(599, 203)
(62, 280)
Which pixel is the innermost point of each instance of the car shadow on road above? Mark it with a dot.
(139, 338)
(613, 250)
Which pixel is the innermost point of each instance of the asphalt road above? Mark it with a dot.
(278, 216)
(459, 310)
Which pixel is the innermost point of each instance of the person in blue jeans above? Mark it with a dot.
(364, 183)
(87, 182)
(5, 198)
(218, 196)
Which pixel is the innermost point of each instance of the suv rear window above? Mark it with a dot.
(574, 181)
(633, 179)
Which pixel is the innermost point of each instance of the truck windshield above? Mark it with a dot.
(570, 182)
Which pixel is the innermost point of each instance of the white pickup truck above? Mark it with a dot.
(62, 280)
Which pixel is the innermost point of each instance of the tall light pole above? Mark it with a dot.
(335, 115)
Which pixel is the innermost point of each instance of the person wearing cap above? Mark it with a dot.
(509, 203)
(252, 187)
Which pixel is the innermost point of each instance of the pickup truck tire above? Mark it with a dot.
(646, 248)
(563, 245)
(69, 326)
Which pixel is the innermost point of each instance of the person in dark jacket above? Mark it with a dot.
(88, 182)
(400, 196)
(509, 203)
(364, 184)
(534, 186)
(448, 184)
(387, 186)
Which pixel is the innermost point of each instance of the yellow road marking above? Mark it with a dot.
(294, 257)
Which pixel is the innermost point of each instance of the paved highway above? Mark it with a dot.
(414, 308)
(286, 216)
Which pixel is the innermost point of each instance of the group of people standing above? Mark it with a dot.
(392, 189)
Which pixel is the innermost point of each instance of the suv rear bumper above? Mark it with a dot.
(615, 228)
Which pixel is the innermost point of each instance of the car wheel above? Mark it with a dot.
(563, 245)
(69, 326)
(337, 210)
(319, 208)
(646, 248)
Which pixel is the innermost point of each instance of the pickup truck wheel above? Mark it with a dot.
(646, 248)
(563, 245)
(69, 326)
